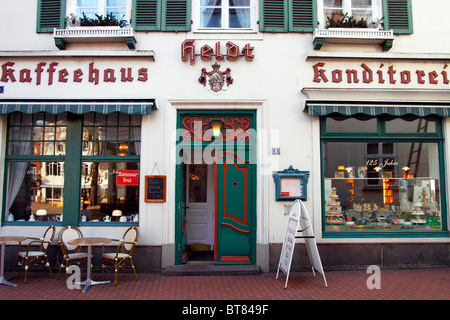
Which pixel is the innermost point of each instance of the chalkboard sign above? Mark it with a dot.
(155, 188)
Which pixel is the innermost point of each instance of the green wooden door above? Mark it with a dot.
(235, 182)
(235, 209)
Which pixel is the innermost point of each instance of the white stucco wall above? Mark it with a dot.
(275, 84)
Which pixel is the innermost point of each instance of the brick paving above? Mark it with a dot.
(350, 285)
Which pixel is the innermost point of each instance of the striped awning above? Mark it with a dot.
(138, 107)
(320, 108)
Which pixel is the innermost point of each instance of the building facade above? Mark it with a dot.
(109, 112)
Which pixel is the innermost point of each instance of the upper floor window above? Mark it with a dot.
(228, 14)
(143, 15)
(121, 9)
(304, 15)
(365, 11)
(224, 14)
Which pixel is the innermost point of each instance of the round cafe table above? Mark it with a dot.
(4, 240)
(89, 242)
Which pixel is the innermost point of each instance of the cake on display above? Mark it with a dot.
(333, 213)
(418, 214)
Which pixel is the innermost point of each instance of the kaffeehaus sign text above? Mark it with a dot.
(52, 72)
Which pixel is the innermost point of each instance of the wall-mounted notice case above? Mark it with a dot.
(291, 184)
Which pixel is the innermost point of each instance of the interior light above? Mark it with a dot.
(216, 125)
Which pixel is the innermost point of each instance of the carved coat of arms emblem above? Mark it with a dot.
(216, 80)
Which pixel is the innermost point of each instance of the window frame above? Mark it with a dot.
(379, 137)
(71, 166)
(377, 11)
(196, 16)
(46, 159)
(72, 8)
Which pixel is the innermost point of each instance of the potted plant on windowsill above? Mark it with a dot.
(338, 20)
(342, 28)
(99, 29)
(109, 20)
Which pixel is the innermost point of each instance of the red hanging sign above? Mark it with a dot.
(127, 177)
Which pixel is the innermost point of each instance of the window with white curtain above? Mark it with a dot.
(121, 9)
(224, 14)
(369, 10)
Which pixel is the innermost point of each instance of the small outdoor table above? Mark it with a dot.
(89, 243)
(4, 240)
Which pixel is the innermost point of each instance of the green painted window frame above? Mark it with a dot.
(301, 16)
(72, 160)
(147, 15)
(381, 136)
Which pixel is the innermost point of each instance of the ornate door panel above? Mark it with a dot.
(234, 209)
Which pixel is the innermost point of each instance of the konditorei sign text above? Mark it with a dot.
(381, 74)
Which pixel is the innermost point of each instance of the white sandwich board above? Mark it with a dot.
(299, 218)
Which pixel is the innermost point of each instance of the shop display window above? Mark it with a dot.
(115, 134)
(109, 192)
(39, 134)
(35, 167)
(388, 183)
(105, 152)
(35, 191)
(109, 188)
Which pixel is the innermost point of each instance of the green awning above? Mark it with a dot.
(318, 108)
(139, 107)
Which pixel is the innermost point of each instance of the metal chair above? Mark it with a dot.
(29, 256)
(70, 252)
(123, 257)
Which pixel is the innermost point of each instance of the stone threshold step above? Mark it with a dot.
(211, 270)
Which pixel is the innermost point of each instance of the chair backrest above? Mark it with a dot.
(48, 236)
(67, 234)
(131, 235)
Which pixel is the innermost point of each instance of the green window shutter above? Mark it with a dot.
(50, 15)
(176, 15)
(398, 16)
(146, 15)
(273, 16)
(303, 15)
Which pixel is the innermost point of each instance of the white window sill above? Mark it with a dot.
(353, 35)
(94, 34)
(224, 34)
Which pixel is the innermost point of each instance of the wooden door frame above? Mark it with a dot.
(182, 146)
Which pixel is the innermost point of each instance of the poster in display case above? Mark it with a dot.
(291, 184)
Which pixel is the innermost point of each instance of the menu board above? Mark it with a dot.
(291, 187)
(155, 188)
(298, 217)
(291, 184)
(287, 250)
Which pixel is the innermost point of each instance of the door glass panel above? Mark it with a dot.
(198, 175)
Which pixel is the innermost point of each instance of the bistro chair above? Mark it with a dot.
(70, 252)
(30, 256)
(123, 257)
